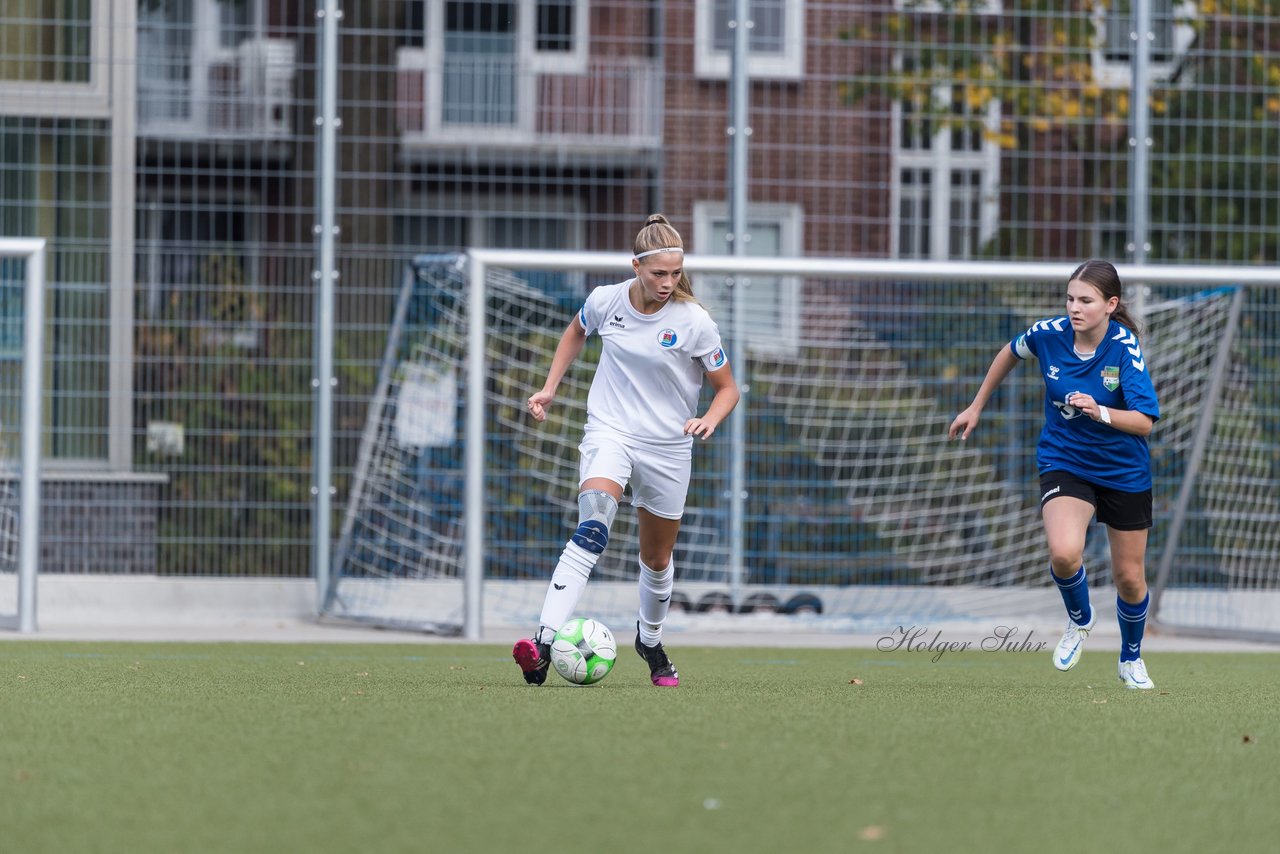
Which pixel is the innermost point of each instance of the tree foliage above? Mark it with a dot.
(1214, 104)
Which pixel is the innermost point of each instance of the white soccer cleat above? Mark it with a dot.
(1069, 648)
(1134, 675)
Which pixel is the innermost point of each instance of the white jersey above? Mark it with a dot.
(646, 385)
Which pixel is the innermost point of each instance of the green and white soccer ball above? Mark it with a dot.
(583, 651)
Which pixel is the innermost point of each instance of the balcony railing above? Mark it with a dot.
(481, 101)
(242, 93)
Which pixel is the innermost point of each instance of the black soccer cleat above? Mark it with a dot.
(662, 672)
(533, 658)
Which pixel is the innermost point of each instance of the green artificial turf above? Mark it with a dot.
(138, 748)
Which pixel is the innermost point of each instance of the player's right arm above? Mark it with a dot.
(1001, 365)
(571, 344)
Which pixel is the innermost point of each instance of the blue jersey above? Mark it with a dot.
(1116, 377)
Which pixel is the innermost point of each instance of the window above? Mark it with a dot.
(772, 303)
(205, 68)
(55, 183)
(482, 57)
(54, 57)
(776, 43)
(450, 223)
(480, 62)
(1170, 27)
(944, 193)
(555, 26)
(197, 264)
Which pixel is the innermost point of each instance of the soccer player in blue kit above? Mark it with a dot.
(1092, 456)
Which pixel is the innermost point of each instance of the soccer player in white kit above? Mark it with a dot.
(658, 345)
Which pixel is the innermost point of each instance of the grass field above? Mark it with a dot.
(117, 747)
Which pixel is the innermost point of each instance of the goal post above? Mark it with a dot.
(20, 513)
(858, 504)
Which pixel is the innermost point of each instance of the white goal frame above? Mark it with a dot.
(32, 250)
(479, 261)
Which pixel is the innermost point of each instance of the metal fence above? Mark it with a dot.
(168, 150)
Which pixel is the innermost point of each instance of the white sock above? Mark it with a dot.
(567, 584)
(655, 601)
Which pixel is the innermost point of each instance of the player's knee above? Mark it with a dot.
(658, 561)
(596, 510)
(1131, 585)
(1065, 562)
(592, 536)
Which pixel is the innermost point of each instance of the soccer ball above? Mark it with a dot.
(583, 651)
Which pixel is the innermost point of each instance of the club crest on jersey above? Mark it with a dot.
(667, 338)
(1111, 377)
(717, 358)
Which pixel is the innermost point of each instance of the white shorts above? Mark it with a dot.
(659, 476)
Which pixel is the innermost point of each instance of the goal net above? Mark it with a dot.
(857, 505)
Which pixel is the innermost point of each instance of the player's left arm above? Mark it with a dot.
(1124, 420)
(722, 403)
(1141, 410)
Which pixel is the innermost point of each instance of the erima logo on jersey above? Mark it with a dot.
(617, 322)
(717, 357)
(667, 338)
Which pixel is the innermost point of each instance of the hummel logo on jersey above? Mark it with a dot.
(1053, 372)
(557, 586)
(617, 322)
(1130, 342)
(1043, 325)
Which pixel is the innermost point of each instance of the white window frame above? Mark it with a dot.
(529, 63)
(206, 50)
(553, 62)
(709, 63)
(89, 100)
(785, 338)
(941, 162)
(1119, 75)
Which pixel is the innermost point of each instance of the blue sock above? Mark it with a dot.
(1133, 620)
(1075, 595)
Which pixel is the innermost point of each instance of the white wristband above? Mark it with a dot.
(1104, 415)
